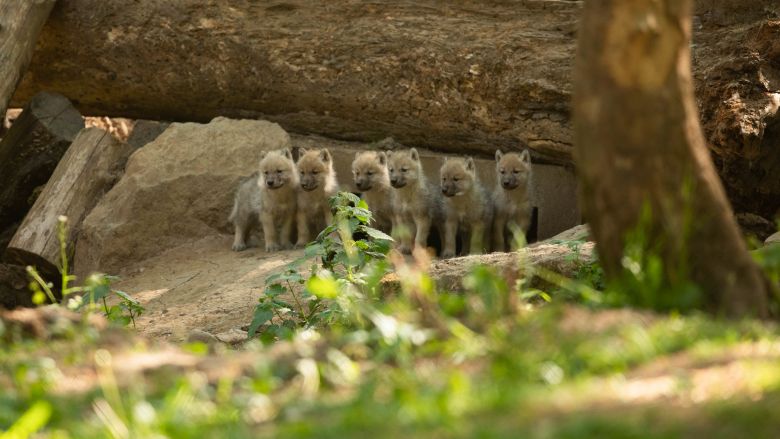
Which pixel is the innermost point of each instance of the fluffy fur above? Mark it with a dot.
(510, 197)
(467, 206)
(318, 184)
(369, 172)
(416, 202)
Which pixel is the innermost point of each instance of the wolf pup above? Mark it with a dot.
(417, 204)
(466, 205)
(318, 184)
(245, 215)
(369, 172)
(510, 198)
(278, 183)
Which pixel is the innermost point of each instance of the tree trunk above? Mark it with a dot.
(20, 24)
(90, 167)
(462, 76)
(30, 151)
(638, 143)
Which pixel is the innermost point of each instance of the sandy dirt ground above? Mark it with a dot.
(200, 285)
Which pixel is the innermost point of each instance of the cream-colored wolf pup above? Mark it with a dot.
(467, 206)
(245, 215)
(318, 184)
(417, 204)
(369, 172)
(267, 198)
(511, 202)
(278, 183)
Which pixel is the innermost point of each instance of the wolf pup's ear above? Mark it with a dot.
(525, 156)
(325, 155)
(382, 157)
(470, 164)
(287, 153)
(414, 154)
(302, 151)
(499, 155)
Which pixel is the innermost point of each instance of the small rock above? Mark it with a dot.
(773, 240)
(752, 224)
(198, 335)
(233, 337)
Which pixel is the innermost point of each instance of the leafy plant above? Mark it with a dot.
(97, 288)
(346, 260)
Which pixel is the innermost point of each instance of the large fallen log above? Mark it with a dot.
(20, 24)
(465, 75)
(459, 76)
(89, 168)
(30, 151)
(545, 263)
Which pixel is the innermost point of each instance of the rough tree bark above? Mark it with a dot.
(90, 167)
(464, 75)
(20, 24)
(638, 141)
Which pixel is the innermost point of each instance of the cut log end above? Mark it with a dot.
(18, 256)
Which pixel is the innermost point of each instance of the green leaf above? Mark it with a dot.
(325, 288)
(352, 198)
(262, 315)
(376, 234)
(313, 249)
(281, 304)
(274, 290)
(327, 231)
(126, 297)
(34, 419)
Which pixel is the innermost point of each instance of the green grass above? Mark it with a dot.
(334, 357)
(526, 376)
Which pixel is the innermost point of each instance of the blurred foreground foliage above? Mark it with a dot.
(338, 355)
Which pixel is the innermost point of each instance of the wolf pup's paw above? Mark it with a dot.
(270, 248)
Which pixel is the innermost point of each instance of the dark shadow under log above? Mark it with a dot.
(30, 151)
